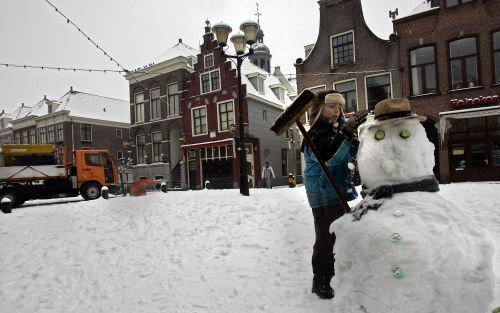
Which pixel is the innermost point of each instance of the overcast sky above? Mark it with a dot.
(134, 32)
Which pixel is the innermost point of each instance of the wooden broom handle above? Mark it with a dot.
(311, 145)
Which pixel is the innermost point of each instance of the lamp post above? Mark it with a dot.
(240, 41)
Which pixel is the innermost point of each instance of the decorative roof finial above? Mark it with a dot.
(258, 14)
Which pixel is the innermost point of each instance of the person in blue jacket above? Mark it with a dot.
(337, 143)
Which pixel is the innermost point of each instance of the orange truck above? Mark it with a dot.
(36, 172)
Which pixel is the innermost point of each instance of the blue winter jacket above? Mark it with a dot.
(339, 150)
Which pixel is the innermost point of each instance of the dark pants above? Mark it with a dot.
(322, 258)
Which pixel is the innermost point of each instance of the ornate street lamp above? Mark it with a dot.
(240, 42)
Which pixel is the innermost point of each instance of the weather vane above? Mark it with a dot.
(258, 14)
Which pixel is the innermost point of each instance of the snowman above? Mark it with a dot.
(404, 248)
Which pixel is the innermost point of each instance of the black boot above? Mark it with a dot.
(321, 287)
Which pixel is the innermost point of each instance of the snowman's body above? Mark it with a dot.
(414, 253)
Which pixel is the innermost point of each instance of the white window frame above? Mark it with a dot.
(332, 65)
(218, 115)
(136, 120)
(25, 137)
(366, 86)
(355, 83)
(51, 139)
(59, 138)
(205, 60)
(33, 136)
(210, 81)
(137, 150)
(178, 99)
(42, 136)
(153, 147)
(151, 117)
(81, 133)
(192, 121)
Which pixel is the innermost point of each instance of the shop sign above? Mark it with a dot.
(471, 102)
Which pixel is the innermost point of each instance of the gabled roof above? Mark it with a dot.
(86, 105)
(21, 112)
(180, 49)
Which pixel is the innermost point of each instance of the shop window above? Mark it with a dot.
(495, 153)
(378, 88)
(463, 63)
(458, 156)
(423, 70)
(496, 55)
(479, 156)
(348, 90)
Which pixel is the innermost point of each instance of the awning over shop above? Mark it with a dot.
(208, 143)
(446, 117)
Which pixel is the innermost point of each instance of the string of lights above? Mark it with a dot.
(86, 36)
(91, 70)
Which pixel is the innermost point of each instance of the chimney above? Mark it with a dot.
(180, 40)
(208, 37)
(22, 104)
(71, 89)
(44, 97)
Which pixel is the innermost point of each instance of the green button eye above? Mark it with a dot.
(380, 134)
(405, 134)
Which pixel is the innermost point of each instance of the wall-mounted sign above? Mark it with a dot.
(471, 102)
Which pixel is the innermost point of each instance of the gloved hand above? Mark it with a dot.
(357, 119)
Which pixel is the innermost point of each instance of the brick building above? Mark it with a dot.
(156, 115)
(77, 120)
(350, 58)
(450, 57)
(6, 135)
(210, 111)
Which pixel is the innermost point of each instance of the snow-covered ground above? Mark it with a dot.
(192, 251)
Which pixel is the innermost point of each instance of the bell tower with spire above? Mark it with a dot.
(262, 55)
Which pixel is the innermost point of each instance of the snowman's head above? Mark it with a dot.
(393, 151)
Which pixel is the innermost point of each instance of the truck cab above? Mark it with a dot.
(94, 169)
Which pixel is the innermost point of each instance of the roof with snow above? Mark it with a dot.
(41, 108)
(180, 49)
(423, 6)
(21, 112)
(248, 68)
(91, 106)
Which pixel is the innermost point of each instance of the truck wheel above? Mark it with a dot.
(16, 202)
(91, 191)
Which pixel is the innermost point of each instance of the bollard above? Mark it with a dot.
(291, 180)
(207, 184)
(164, 187)
(6, 205)
(105, 192)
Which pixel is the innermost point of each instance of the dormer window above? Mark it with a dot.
(257, 81)
(279, 91)
(209, 60)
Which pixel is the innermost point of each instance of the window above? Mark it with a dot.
(25, 137)
(378, 88)
(496, 55)
(17, 138)
(139, 108)
(60, 156)
(141, 148)
(260, 85)
(451, 3)
(199, 121)
(41, 135)
(119, 155)
(226, 115)
(348, 90)
(210, 81)
(280, 93)
(173, 99)
(155, 102)
(423, 71)
(59, 132)
(33, 136)
(342, 49)
(51, 135)
(209, 60)
(463, 63)
(92, 159)
(264, 115)
(119, 133)
(157, 149)
(86, 132)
